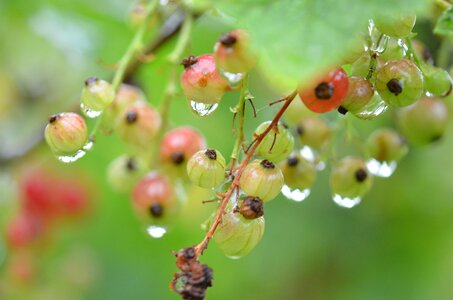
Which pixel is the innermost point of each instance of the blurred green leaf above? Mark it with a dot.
(298, 39)
(444, 25)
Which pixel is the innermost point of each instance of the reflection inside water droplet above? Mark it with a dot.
(232, 77)
(202, 109)
(156, 231)
(381, 169)
(373, 109)
(345, 201)
(295, 194)
(71, 158)
(89, 112)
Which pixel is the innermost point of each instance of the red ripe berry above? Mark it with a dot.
(327, 93)
(201, 81)
(23, 230)
(37, 194)
(179, 144)
(72, 198)
(152, 195)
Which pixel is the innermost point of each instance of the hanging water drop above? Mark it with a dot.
(232, 77)
(345, 201)
(156, 231)
(202, 109)
(373, 109)
(381, 168)
(296, 195)
(68, 158)
(89, 112)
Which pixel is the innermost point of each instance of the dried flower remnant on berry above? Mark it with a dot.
(252, 208)
(361, 175)
(189, 61)
(394, 86)
(156, 210)
(131, 117)
(228, 40)
(324, 91)
(211, 154)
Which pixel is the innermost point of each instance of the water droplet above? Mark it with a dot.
(202, 109)
(232, 77)
(345, 201)
(71, 158)
(381, 169)
(379, 41)
(88, 146)
(372, 109)
(156, 231)
(89, 112)
(295, 194)
(234, 257)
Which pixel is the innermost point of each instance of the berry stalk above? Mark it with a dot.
(235, 184)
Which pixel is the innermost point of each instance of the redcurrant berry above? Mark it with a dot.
(298, 172)
(350, 178)
(139, 124)
(327, 93)
(66, 133)
(97, 94)
(179, 144)
(386, 145)
(314, 132)
(277, 145)
(400, 26)
(399, 82)
(423, 122)
(24, 230)
(360, 93)
(201, 81)
(438, 82)
(233, 54)
(262, 179)
(206, 168)
(153, 196)
(124, 172)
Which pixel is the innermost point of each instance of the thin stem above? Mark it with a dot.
(443, 54)
(412, 53)
(240, 111)
(183, 41)
(240, 169)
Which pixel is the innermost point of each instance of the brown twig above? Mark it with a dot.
(235, 184)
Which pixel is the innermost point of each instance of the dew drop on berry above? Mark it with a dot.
(381, 168)
(70, 158)
(345, 201)
(156, 231)
(295, 195)
(90, 113)
(202, 109)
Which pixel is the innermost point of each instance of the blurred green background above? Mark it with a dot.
(397, 244)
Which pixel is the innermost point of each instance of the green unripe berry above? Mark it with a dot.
(314, 132)
(399, 82)
(277, 145)
(206, 168)
(124, 172)
(360, 93)
(237, 237)
(66, 133)
(349, 178)
(423, 122)
(438, 81)
(386, 145)
(393, 51)
(262, 179)
(97, 94)
(361, 67)
(298, 172)
(297, 111)
(399, 26)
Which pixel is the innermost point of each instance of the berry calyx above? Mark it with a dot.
(153, 196)
(350, 178)
(276, 145)
(399, 82)
(386, 145)
(179, 144)
(66, 133)
(201, 81)
(251, 208)
(327, 93)
(139, 124)
(233, 52)
(262, 179)
(206, 168)
(97, 94)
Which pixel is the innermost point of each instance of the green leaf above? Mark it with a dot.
(301, 39)
(444, 25)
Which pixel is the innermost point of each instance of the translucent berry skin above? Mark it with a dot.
(153, 190)
(314, 132)
(423, 122)
(400, 82)
(126, 95)
(97, 94)
(179, 144)
(275, 146)
(298, 172)
(233, 52)
(350, 178)
(201, 81)
(399, 27)
(261, 179)
(139, 125)
(124, 172)
(206, 168)
(386, 145)
(327, 93)
(360, 93)
(236, 236)
(361, 67)
(66, 133)
(438, 81)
